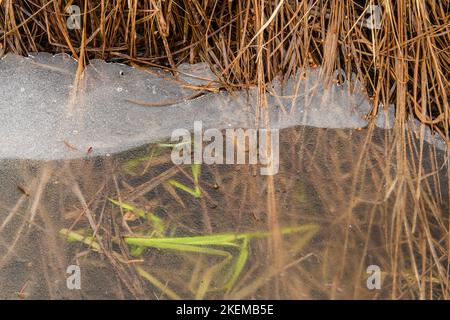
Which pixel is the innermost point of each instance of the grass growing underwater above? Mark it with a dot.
(234, 248)
(136, 235)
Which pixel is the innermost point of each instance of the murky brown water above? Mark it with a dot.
(342, 201)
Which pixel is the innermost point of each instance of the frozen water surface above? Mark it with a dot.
(47, 115)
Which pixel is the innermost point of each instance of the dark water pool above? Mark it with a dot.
(343, 204)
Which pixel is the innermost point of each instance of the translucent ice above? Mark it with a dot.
(47, 115)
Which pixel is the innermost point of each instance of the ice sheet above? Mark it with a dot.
(46, 115)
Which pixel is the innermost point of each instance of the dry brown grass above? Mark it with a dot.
(405, 62)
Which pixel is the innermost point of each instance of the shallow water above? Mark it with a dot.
(340, 185)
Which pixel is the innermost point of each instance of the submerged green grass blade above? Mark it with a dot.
(196, 192)
(137, 251)
(196, 173)
(157, 243)
(213, 240)
(172, 145)
(74, 236)
(193, 192)
(239, 265)
(157, 223)
(130, 165)
(208, 278)
(225, 239)
(128, 207)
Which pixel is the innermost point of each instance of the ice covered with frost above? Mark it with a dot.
(47, 115)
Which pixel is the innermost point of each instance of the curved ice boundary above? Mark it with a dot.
(46, 116)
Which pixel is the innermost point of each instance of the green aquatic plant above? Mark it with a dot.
(234, 248)
(131, 165)
(173, 145)
(74, 236)
(157, 224)
(196, 191)
(156, 149)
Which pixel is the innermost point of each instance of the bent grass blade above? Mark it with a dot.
(241, 261)
(72, 236)
(202, 244)
(196, 192)
(158, 227)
